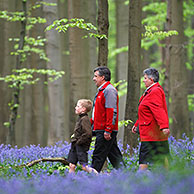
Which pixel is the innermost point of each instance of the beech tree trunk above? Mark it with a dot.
(6, 61)
(121, 58)
(178, 74)
(166, 84)
(103, 25)
(134, 60)
(80, 59)
(11, 139)
(64, 41)
(56, 88)
(191, 85)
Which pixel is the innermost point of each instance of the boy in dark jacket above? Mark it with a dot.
(82, 137)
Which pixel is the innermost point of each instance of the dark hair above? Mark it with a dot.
(104, 71)
(152, 73)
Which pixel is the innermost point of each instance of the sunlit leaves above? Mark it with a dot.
(191, 102)
(125, 123)
(64, 24)
(41, 3)
(30, 76)
(152, 32)
(152, 35)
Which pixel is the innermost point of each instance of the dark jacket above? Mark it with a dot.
(82, 131)
(105, 113)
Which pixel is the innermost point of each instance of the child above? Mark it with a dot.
(82, 137)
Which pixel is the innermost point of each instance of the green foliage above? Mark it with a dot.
(40, 3)
(64, 24)
(12, 16)
(19, 17)
(188, 7)
(32, 45)
(189, 32)
(118, 51)
(22, 49)
(152, 36)
(122, 87)
(155, 14)
(29, 76)
(125, 123)
(152, 32)
(191, 102)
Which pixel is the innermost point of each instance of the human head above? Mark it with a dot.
(101, 75)
(84, 105)
(152, 73)
(151, 76)
(103, 71)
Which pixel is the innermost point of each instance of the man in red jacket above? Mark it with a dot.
(152, 122)
(105, 121)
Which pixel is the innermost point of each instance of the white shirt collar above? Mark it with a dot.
(150, 87)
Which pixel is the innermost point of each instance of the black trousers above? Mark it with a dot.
(153, 152)
(104, 149)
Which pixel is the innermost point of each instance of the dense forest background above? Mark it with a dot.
(137, 38)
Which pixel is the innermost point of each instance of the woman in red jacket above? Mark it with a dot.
(152, 123)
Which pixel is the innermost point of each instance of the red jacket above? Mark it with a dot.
(105, 111)
(152, 115)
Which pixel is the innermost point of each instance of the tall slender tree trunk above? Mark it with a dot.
(178, 74)
(56, 88)
(16, 91)
(191, 84)
(103, 25)
(134, 60)
(64, 40)
(145, 54)
(121, 58)
(92, 46)
(31, 128)
(6, 61)
(167, 54)
(80, 68)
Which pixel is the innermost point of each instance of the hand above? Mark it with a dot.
(166, 132)
(107, 136)
(134, 129)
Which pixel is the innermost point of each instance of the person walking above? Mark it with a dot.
(152, 123)
(81, 138)
(105, 121)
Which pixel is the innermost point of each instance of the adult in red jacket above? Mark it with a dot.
(152, 123)
(105, 121)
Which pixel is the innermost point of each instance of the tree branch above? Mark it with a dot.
(32, 163)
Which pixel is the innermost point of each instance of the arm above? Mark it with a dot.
(166, 132)
(157, 105)
(134, 128)
(111, 100)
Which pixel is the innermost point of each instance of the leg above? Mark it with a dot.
(102, 148)
(143, 167)
(72, 168)
(89, 169)
(115, 155)
(82, 154)
(166, 163)
(72, 158)
(163, 154)
(145, 155)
